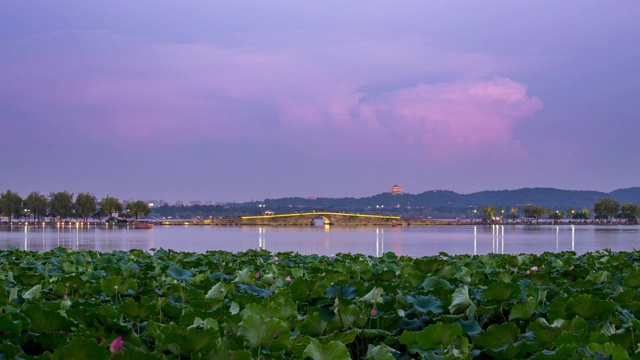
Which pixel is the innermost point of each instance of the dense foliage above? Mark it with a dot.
(62, 304)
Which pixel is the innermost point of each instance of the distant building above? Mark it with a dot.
(396, 190)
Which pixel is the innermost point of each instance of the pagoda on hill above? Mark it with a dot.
(396, 190)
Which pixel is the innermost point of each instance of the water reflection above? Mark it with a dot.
(413, 241)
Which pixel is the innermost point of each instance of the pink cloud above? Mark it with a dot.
(454, 119)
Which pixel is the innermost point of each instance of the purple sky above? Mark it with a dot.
(240, 100)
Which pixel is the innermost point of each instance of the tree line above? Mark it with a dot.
(604, 209)
(63, 205)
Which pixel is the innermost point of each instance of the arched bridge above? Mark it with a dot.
(330, 218)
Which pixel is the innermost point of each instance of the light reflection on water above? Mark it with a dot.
(408, 240)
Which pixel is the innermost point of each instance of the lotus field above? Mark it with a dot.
(63, 304)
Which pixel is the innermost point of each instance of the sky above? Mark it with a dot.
(232, 101)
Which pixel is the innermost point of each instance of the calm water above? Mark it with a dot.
(412, 241)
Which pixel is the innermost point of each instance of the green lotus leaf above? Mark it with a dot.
(390, 257)
(178, 273)
(33, 293)
(265, 333)
(81, 349)
(234, 308)
(245, 276)
(609, 350)
(461, 301)
(589, 308)
(544, 332)
(501, 291)
(305, 290)
(380, 352)
(438, 335)
(313, 325)
(349, 317)
(426, 304)
(497, 336)
(632, 281)
(114, 285)
(433, 282)
(28, 279)
(508, 352)
(79, 261)
(344, 291)
(51, 342)
(190, 341)
(4, 296)
(9, 327)
(523, 310)
(470, 327)
(374, 296)
(135, 310)
(252, 289)
(272, 309)
(226, 354)
(557, 308)
(218, 291)
(46, 321)
(331, 351)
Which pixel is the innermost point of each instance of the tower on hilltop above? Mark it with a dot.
(396, 190)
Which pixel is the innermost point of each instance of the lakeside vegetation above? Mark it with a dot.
(63, 304)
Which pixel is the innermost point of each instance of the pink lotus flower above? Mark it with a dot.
(534, 268)
(374, 312)
(116, 345)
(257, 275)
(572, 267)
(275, 258)
(288, 278)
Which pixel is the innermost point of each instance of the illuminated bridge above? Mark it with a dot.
(330, 218)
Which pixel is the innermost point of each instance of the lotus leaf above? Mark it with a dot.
(501, 291)
(589, 308)
(380, 352)
(438, 335)
(178, 273)
(344, 291)
(461, 301)
(523, 310)
(81, 349)
(374, 296)
(332, 351)
(498, 336)
(313, 325)
(264, 333)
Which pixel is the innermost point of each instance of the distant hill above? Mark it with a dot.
(437, 203)
(437, 198)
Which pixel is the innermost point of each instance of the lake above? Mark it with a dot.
(405, 240)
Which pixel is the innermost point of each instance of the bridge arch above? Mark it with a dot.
(331, 218)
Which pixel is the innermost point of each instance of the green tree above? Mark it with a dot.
(109, 205)
(585, 213)
(10, 204)
(513, 214)
(86, 205)
(557, 215)
(631, 212)
(606, 208)
(490, 211)
(138, 208)
(36, 204)
(533, 211)
(61, 204)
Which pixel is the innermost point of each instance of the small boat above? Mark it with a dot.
(143, 225)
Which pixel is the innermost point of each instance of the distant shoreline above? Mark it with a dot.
(238, 222)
